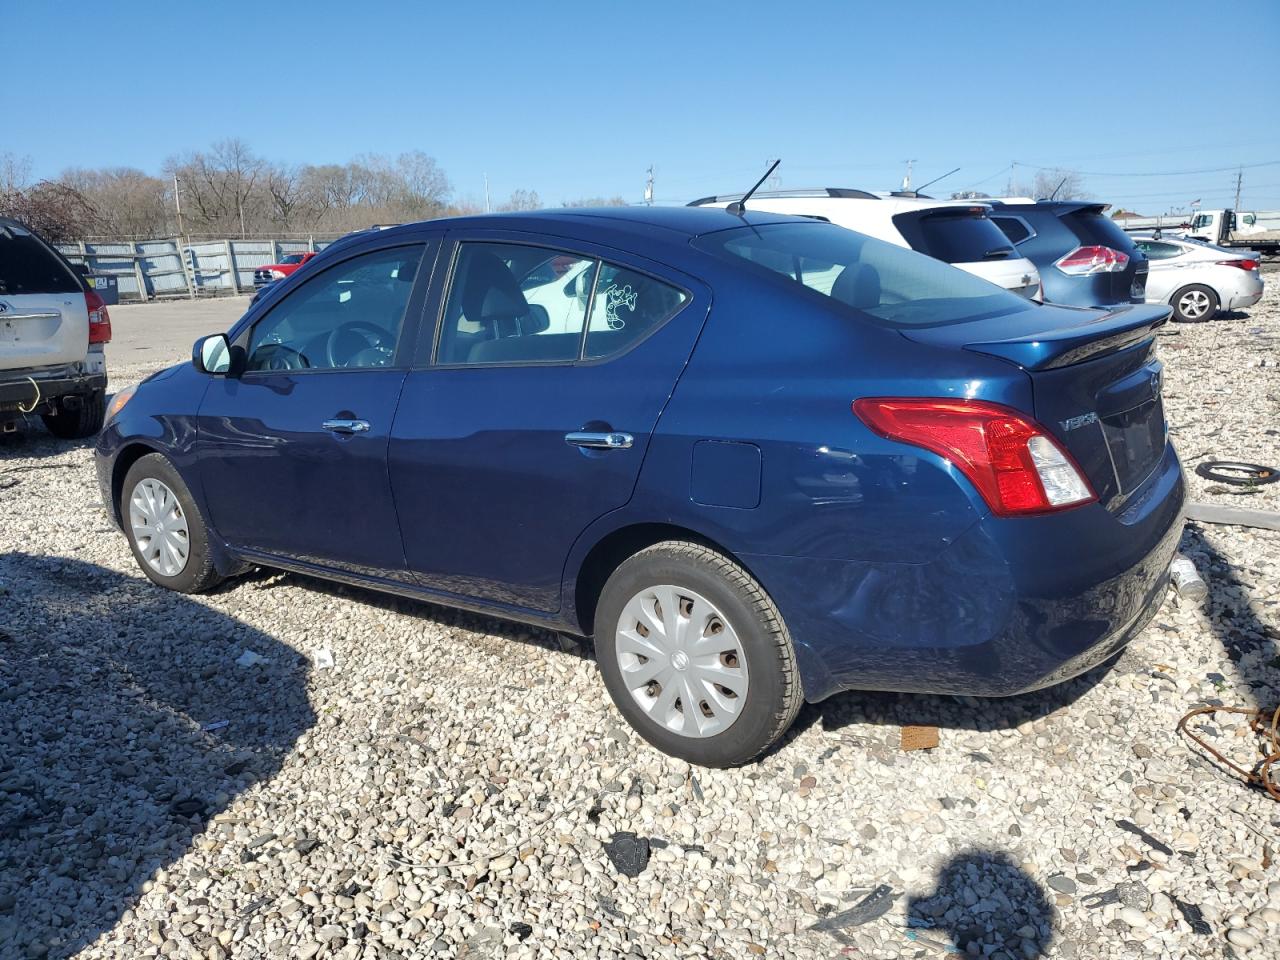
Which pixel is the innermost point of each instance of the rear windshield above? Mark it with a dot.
(892, 285)
(1095, 229)
(957, 236)
(26, 266)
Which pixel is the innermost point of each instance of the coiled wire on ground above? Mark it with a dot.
(1265, 724)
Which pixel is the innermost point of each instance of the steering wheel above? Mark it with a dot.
(374, 338)
(277, 356)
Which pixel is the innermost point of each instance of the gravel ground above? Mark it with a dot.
(450, 787)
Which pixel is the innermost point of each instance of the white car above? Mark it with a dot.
(959, 234)
(1198, 279)
(52, 331)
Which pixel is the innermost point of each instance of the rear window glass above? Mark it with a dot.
(1013, 228)
(892, 285)
(1093, 228)
(27, 267)
(954, 237)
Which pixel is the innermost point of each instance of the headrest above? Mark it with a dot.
(490, 290)
(858, 285)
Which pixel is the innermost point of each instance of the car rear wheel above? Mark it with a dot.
(1195, 303)
(695, 655)
(78, 421)
(169, 538)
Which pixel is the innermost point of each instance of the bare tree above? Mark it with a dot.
(218, 186)
(126, 201)
(54, 210)
(614, 201)
(15, 173)
(1058, 183)
(522, 200)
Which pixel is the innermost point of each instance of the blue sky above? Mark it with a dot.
(575, 100)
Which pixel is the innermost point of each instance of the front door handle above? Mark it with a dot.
(346, 426)
(600, 441)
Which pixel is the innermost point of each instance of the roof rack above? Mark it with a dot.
(843, 192)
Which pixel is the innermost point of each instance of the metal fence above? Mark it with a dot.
(150, 269)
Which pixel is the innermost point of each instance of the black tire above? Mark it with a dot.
(199, 574)
(1183, 312)
(774, 694)
(81, 421)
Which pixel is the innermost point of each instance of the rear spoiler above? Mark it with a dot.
(1119, 327)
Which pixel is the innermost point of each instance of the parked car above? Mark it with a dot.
(272, 272)
(768, 459)
(1085, 259)
(53, 328)
(961, 235)
(1199, 279)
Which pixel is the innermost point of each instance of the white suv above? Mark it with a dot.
(52, 331)
(959, 234)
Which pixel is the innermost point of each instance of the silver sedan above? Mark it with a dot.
(1198, 279)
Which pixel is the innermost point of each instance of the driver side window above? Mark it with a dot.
(348, 316)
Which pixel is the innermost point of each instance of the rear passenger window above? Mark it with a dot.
(511, 303)
(627, 305)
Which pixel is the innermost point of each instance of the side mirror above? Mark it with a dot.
(212, 354)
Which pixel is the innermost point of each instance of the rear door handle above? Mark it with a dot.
(346, 426)
(600, 441)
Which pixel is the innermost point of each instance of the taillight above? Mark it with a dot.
(1014, 464)
(1086, 260)
(1242, 264)
(99, 319)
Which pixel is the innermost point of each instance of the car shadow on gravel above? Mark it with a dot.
(32, 441)
(1248, 644)
(112, 754)
(983, 714)
(985, 903)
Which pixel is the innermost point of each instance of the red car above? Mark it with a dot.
(278, 271)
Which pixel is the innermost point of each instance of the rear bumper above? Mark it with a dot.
(1012, 605)
(1246, 295)
(35, 390)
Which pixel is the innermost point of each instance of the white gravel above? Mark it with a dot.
(446, 787)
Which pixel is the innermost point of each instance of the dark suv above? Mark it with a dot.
(1084, 259)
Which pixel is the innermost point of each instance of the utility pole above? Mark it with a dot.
(177, 202)
(486, 193)
(906, 180)
(1013, 176)
(775, 181)
(1239, 180)
(648, 188)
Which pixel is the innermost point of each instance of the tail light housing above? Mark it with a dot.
(1083, 261)
(99, 319)
(1242, 264)
(1011, 460)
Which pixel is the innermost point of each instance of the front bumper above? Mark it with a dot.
(1012, 605)
(38, 390)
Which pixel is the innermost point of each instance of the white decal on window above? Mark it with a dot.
(616, 297)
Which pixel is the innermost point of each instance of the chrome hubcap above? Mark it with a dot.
(1194, 304)
(681, 660)
(159, 527)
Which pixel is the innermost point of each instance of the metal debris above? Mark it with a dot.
(1265, 724)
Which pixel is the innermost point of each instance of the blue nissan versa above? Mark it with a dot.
(759, 459)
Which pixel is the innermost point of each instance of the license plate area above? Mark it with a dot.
(1135, 439)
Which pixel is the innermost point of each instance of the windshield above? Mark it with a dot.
(292, 258)
(893, 285)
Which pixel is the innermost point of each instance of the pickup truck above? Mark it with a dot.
(278, 271)
(1238, 230)
(53, 329)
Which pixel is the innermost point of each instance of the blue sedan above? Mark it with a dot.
(758, 459)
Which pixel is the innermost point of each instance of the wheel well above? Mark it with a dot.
(607, 555)
(125, 459)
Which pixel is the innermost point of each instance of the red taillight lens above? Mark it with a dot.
(1014, 464)
(99, 319)
(1242, 264)
(1085, 260)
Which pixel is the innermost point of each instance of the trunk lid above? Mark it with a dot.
(1096, 383)
(44, 319)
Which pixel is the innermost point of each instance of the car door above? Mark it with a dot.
(294, 445)
(551, 366)
(1167, 261)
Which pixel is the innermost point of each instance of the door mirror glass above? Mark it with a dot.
(212, 354)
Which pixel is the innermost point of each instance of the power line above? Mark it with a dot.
(1168, 173)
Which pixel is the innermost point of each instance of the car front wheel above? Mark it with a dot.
(165, 529)
(696, 656)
